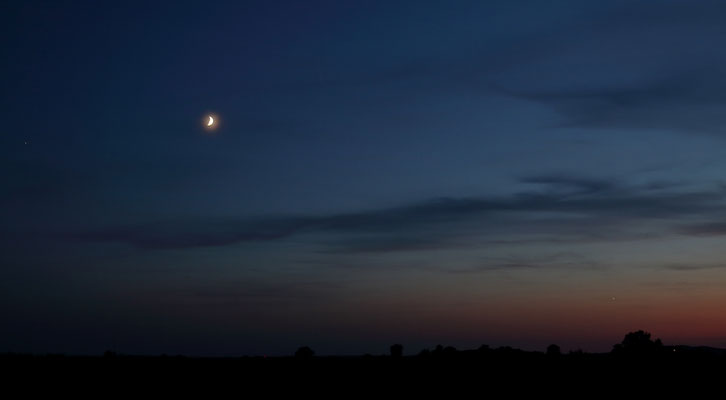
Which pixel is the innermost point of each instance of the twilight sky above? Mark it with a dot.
(464, 172)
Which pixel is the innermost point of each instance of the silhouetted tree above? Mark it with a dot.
(304, 352)
(396, 350)
(638, 343)
(553, 350)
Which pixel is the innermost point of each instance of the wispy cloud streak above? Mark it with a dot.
(561, 205)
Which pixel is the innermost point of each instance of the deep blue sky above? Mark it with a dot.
(466, 172)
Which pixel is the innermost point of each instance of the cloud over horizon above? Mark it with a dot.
(562, 206)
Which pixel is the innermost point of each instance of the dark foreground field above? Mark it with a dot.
(505, 369)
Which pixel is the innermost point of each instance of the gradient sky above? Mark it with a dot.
(464, 172)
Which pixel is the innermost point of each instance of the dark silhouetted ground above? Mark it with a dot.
(637, 363)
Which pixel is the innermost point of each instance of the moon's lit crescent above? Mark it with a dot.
(211, 121)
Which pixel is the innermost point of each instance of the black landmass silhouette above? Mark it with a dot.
(636, 361)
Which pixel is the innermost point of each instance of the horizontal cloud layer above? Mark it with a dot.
(564, 207)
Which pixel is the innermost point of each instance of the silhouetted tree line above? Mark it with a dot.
(637, 359)
(637, 344)
(634, 344)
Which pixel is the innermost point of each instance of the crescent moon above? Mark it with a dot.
(211, 121)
